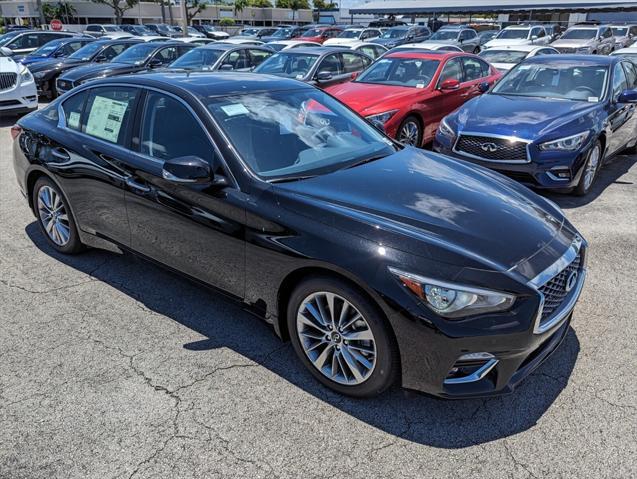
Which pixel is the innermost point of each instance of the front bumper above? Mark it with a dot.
(513, 342)
(544, 170)
(22, 97)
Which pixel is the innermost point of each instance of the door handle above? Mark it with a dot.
(131, 183)
(60, 154)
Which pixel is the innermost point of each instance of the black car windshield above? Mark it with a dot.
(408, 72)
(290, 65)
(565, 80)
(8, 37)
(198, 59)
(313, 32)
(514, 34)
(45, 50)
(111, 28)
(445, 35)
(87, 51)
(503, 56)
(395, 33)
(620, 31)
(135, 55)
(580, 34)
(285, 135)
(282, 33)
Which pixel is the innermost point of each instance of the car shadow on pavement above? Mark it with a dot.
(413, 417)
(609, 174)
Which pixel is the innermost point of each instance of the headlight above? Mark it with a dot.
(569, 143)
(453, 301)
(583, 50)
(25, 76)
(381, 118)
(445, 130)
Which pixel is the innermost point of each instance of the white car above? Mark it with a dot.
(506, 57)
(287, 44)
(192, 31)
(520, 35)
(18, 93)
(630, 53)
(242, 41)
(371, 49)
(429, 46)
(352, 35)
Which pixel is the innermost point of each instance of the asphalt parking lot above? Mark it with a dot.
(113, 368)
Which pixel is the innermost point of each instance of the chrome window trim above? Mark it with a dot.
(476, 375)
(499, 137)
(549, 273)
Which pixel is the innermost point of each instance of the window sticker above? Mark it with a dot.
(593, 99)
(299, 77)
(106, 118)
(420, 85)
(74, 120)
(235, 109)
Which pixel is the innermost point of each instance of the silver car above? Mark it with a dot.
(624, 35)
(586, 39)
(465, 38)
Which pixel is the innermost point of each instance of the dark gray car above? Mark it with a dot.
(465, 38)
(223, 57)
(403, 34)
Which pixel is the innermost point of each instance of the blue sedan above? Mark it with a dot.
(550, 122)
(56, 49)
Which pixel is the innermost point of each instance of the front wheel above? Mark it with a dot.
(341, 337)
(591, 167)
(410, 132)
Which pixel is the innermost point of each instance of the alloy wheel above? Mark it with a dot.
(591, 167)
(54, 216)
(409, 133)
(336, 338)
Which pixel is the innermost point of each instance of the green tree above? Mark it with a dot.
(293, 5)
(260, 3)
(119, 7)
(226, 22)
(239, 5)
(62, 11)
(194, 8)
(323, 5)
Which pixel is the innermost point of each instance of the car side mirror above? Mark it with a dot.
(101, 58)
(534, 37)
(6, 51)
(450, 84)
(354, 75)
(187, 169)
(155, 62)
(628, 96)
(484, 87)
(323, 76)
(226, 67)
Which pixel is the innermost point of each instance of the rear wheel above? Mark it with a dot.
(410, 132)
(55, 218)
(341, 337)
(591, 167)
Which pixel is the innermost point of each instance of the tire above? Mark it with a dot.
(61, 231)
(363, 367)
(589, 173)
(410, 132)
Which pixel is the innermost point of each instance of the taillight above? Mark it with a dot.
(15, 131)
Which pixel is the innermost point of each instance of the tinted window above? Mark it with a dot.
(353, 62)
(631, 74)
(409, 72)
(111, 52)
(169, 130)
(451, 71)
(166, 55)
(93, 28)
(108, 113)
(29, 40)
(258, 56)
(238, 60)
(608, 33)
(473, 69)
(331, 64)
(73, 108)
(619, 81)
(291, 65)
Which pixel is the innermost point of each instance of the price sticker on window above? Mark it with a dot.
(105, 119)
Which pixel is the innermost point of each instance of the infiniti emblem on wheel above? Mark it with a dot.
(571, 280)
(489, 147)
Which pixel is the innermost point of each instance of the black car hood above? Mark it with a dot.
(101, 69)
(424, 203)
(54, 64)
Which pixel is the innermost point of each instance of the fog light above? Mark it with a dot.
(471, 367)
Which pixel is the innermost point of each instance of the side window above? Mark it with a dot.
(111, 52)
(352, 62)
(451, 71)
(238, 60)
(631, 74)
(332, 64)
(47, 37)
(183, 49)
(619, 81)
(258, 56)
(71, 47)
(379, 51)
(108, 113)
(541, 33)
(73, 108)
(633, 31)
(92, 28)
(166, 55)
(30, 40)
(169, 130)
(368, 50)
(608, 33)
(473, 69)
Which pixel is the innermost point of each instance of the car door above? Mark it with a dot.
(196, 229)
(469, 41)
(87, 150)
(476, 72)
(331, 64)
(442, 102)
(621, 114)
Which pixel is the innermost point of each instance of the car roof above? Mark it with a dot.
(579, 59)
(207, 84)
(423, 54)
(519, 48)
(226, 46)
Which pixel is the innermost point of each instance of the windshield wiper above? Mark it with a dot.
(369, 159)
(287, 179)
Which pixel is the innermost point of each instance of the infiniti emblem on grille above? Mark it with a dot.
(571, 280)
(489, 147)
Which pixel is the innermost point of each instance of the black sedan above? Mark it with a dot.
(222, 56)
(100, 51)
(138, 58)
(379, 262)
(320, 66)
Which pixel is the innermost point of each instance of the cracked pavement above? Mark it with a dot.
(113, 368)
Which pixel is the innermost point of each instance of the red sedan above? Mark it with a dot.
(320, 34)
(410, 92)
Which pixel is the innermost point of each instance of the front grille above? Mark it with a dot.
(9, 102)
(566, 49)
(8, 80)
(492, 149)
(554, 290)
